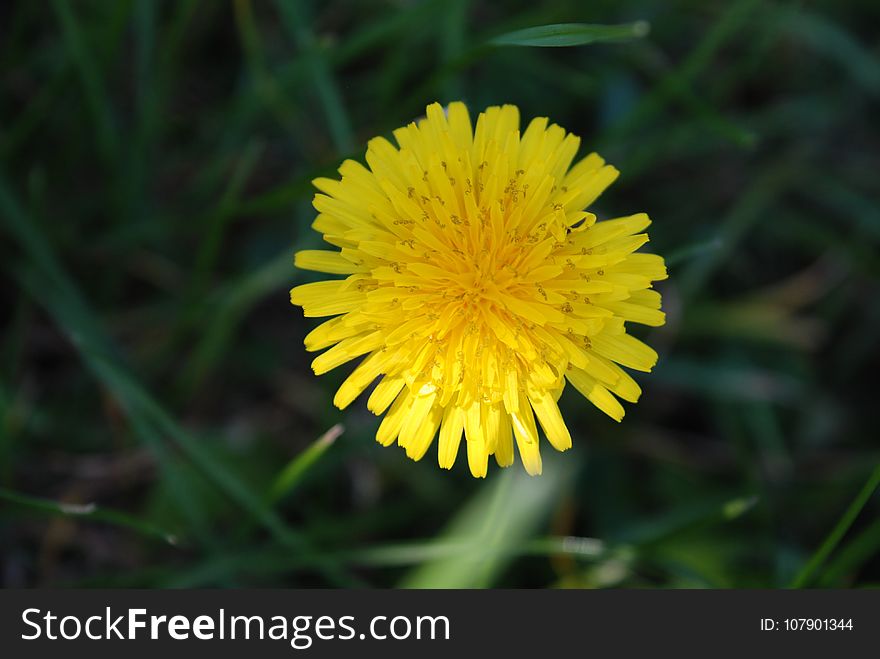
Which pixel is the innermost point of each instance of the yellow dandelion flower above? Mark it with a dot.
(477, 285)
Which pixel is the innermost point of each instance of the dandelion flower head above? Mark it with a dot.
(476, 286)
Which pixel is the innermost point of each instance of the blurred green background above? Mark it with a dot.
(159, 422)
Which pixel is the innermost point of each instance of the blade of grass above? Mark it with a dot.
(486, 44)
(280, 198)
(837, 44)
(87, 511)
(736, 224)
(414, 553)
(54, 292)
(173, 35)
(382, 30)
(841, 197)
(684, 520)
(220, 476)
(137, 156)
(694, 250)
(6, 435)
(501, 516)
(684, 75)
(861, 549)
(727, 379)
(90, 77)
(452, 41)
(386, 28)
(467, 550)
(805, 576)
(69, 309)
(571, 34)
(293, 473)
(32, 116)
(226, 309)
(216, 225)
(192, 509)
(265, 88)
(62, 302)
(700, 107)
(272, 561)
(296, 21)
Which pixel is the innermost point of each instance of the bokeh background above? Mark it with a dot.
(160, 425)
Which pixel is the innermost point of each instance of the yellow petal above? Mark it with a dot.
(649, 266)
(478, 457)
(450, 436)
(325, 298)
(637, 313)
(321, 260)
(526, 434)
(460, 126)
(595, 393)
(625, 349)
(333, 331)
(346, 350)
(389, 429)
(419, 429)
(585, 190)
(361, 377)
(551, 419)
(504, 443)
(384, 394)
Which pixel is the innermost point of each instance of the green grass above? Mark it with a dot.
(155, 160)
